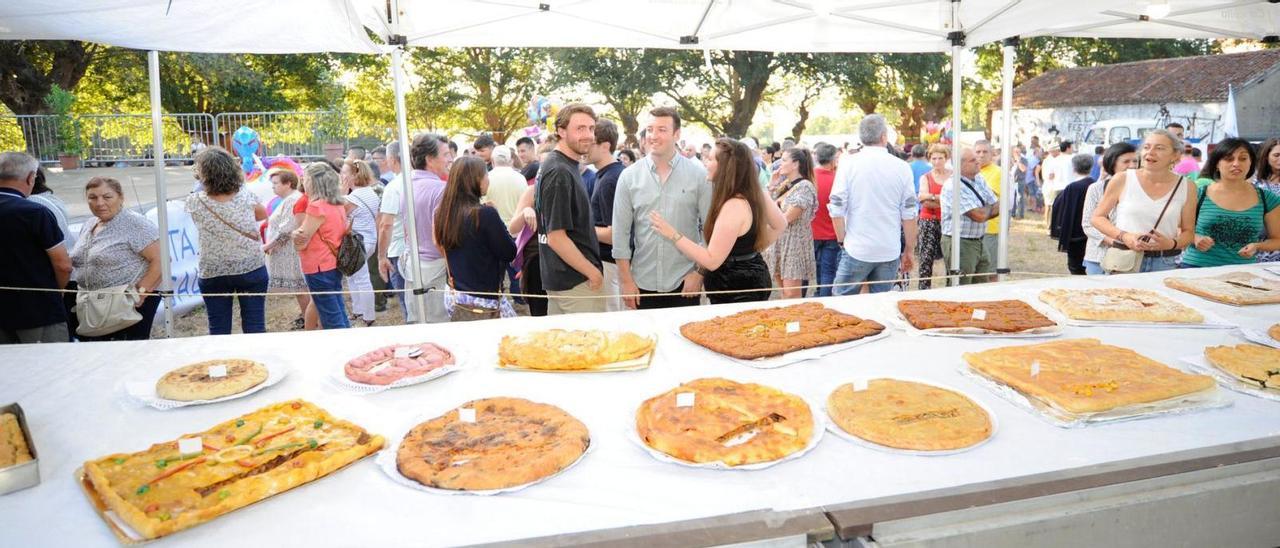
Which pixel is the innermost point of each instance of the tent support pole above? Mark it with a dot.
(957, 48)
(162, 199)
(1008, 186)
(416, 297)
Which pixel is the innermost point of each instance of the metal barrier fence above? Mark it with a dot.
(127, 138)
(302, 135)
(37, 134)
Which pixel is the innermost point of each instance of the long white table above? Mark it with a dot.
(71, 395)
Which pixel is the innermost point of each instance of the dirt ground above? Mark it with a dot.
(1030, 251)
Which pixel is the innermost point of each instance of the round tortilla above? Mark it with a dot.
(193, 383)
(909, 415)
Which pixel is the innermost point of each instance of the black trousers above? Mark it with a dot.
(1075, 257)
(658, 299)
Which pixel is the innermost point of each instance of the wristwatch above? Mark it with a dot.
(677, 237)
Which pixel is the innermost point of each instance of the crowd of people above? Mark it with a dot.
(579, 224)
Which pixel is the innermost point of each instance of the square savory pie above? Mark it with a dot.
(719, 420)
(767, 332)
(13, 444)
(1254, 364)
(177, 484)
(1119, 305)
(1238, 288)
(1084, 375)
(562, 350)
(1010, 316)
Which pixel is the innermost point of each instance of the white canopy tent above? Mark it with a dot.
(296, 26)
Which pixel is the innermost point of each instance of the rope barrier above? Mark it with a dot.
(544, 296)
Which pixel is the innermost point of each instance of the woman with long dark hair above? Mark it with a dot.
(473, 238)
(1234, 219)
(742, 221)
(791, 258)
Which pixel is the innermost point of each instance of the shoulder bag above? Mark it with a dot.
(349, 253)
(105, 311)
(244, 233)
(1119, 259)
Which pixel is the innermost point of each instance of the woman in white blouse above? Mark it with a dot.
(358, 180)
(118, 247)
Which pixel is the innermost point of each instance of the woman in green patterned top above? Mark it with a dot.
(1232, 215)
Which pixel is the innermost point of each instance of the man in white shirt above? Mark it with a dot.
(506, 185)
(1057, 175)
(873, 192)
(391, 228)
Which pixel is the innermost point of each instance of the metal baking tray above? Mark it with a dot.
(20, 476)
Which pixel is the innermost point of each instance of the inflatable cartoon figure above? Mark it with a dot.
(245, 143)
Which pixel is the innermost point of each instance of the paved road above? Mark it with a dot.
(139, 185)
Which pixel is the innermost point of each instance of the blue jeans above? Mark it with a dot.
(1092, 268)
(852, 270)
(332, 311)
(1159, 264)
(397, 283)
(253, 309)
(827, 255)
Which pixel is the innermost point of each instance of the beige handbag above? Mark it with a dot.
(105, 311)
(1122, 260)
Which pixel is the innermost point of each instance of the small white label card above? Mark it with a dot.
(466, 414)
(1100, 300)
(217, 371)
(685, 399)
(1035, 368)
(407, 351)
(979, 314)
(793, 327)
(378, 368)
(190, 446)
(1258, 282)
(860, 384)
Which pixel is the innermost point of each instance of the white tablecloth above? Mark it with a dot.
(69, 393)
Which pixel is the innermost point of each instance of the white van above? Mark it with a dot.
(1109, 132)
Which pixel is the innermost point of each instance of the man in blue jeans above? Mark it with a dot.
(826, 250)
(874, 191)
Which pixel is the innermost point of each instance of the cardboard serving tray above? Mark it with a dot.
(20, 476)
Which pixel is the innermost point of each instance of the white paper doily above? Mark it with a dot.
(338, 377)
(144, 393)
(840, 433)
(819, 427)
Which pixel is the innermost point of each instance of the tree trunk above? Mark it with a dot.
(868, 107)
(23, 86)
(630, 129)
(744, 110)
(798, 129)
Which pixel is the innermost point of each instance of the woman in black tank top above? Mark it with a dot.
(736, 195)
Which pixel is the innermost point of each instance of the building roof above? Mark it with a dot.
(1201, 79)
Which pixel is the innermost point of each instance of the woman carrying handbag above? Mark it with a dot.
(475, 243)
(1155, 214)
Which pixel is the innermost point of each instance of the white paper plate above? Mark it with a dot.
(1211, 320)
(144, 393)
(1253, 335)
(1211, 398)
(1202, 365)
(840, 433)
(791, 357)
(901, 323)
(338, 376)
(819, 426)
(386, 461)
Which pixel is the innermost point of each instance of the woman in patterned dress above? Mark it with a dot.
(791, 259)
(284, 269)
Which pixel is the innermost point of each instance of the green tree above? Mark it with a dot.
(725, 97)
(29, 69)
(487, 88)
(627, 79)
